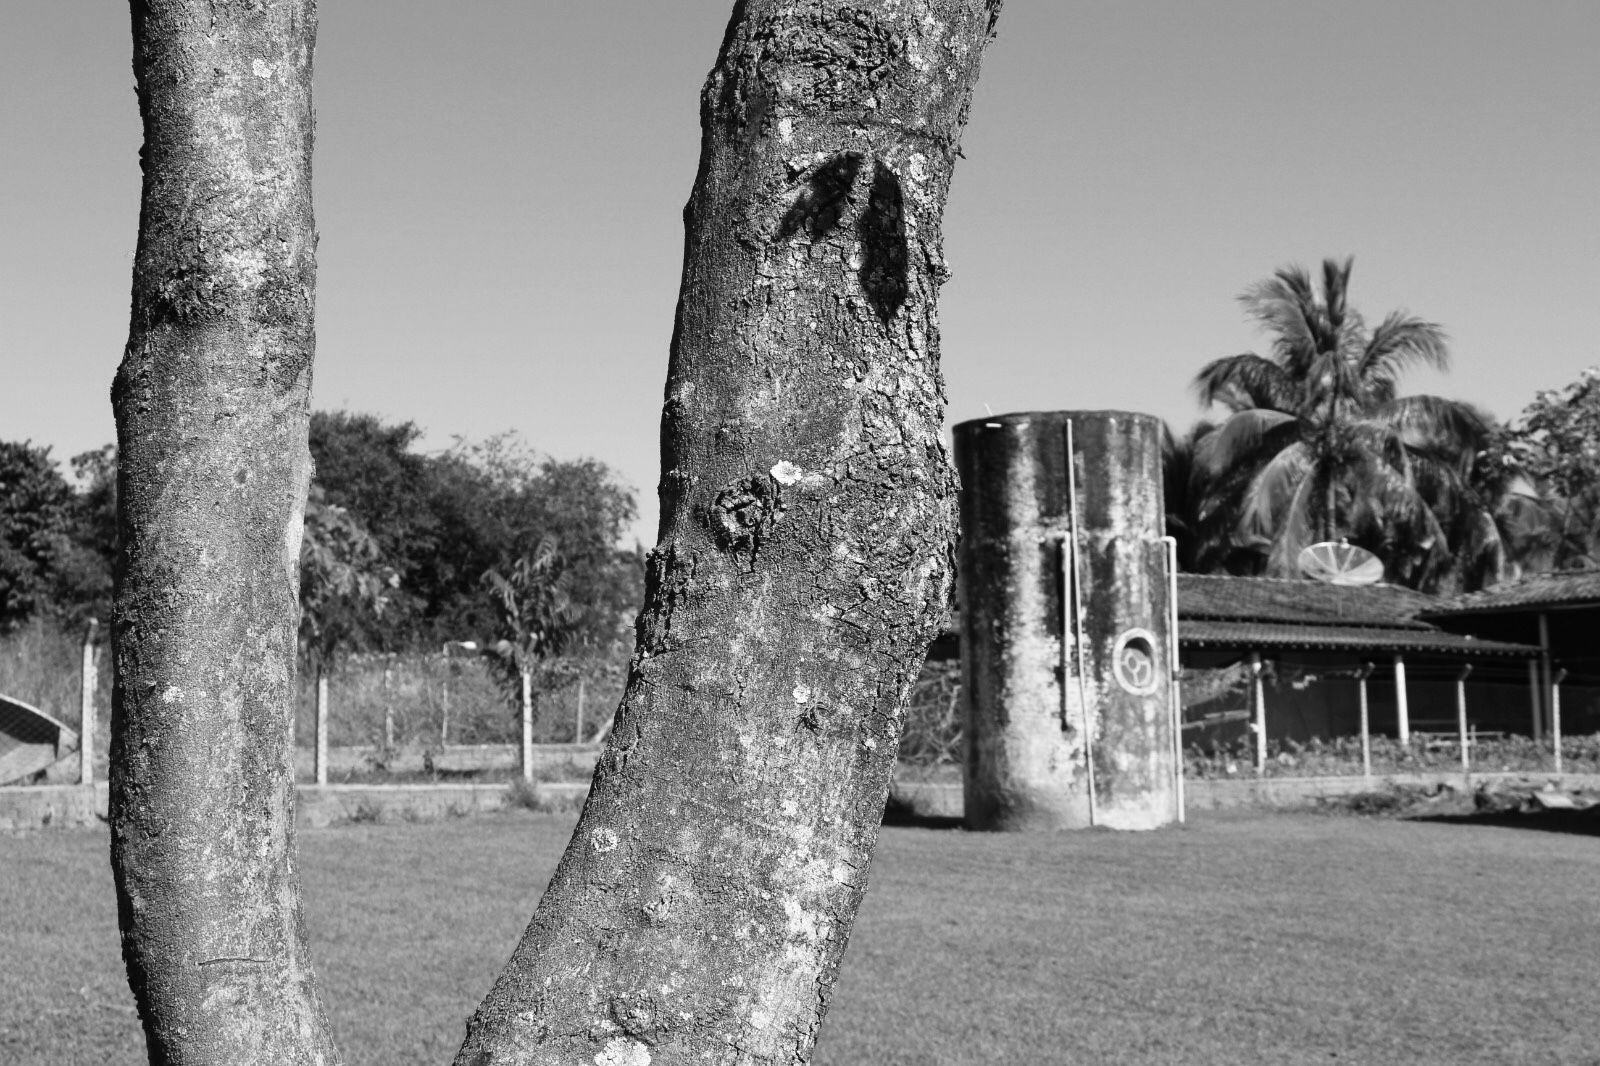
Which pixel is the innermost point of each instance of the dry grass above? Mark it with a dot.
(1243, 939)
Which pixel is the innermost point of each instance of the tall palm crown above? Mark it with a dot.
(1318, 444)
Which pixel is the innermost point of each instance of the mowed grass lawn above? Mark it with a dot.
(1253, 938)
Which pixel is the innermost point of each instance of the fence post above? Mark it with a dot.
(444, 701)
(527, 726)
(321, 758)
(88, 680)
(388, 708)
(577, 730)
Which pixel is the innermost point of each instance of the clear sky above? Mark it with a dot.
(499, 186)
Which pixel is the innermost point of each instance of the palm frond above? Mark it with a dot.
(1444, 428)
(1285, 306)
(1419, 546)
(1295, 533)
(1399, 343)
(1272, 489)
(1244, 436)
(1243, 381)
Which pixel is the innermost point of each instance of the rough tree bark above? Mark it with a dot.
(701, 911)
(211, 402)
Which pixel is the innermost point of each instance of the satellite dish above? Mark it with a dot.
(1340, 563)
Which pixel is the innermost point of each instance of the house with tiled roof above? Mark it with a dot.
(1313, 642)
(1310, 642)
(1559, 612)
(1258, 613)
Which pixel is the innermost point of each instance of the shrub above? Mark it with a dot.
(525, 794)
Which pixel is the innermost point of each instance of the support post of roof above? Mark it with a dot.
(1544, 658)
(1401, 711)
(1258, 701)
(1461, 716)
(1366, 729)
(1534, 700)
(86, 685)
(1555, 714)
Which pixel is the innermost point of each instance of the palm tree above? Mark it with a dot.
(1318, 445)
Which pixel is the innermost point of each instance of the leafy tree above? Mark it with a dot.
(96, 473)
(535, 616)
(344, 584)
(1318, 444)
(1549, 457)
(574, 510)
(50, 562)
(443, 521)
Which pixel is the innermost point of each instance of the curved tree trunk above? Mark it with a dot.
(211, 404)
(702, 908)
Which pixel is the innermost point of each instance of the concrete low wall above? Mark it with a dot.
(52, 806)
(68, 806)
(321, 805)
(457, 758)
(65, 806)
(941, 800)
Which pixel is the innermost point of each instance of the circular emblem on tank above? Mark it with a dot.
(1134, 662)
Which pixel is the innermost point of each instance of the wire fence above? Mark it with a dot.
(427, 702)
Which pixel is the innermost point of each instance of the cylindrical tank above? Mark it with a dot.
(1034, 758)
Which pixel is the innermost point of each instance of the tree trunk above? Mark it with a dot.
(702, 908)
(211, 405)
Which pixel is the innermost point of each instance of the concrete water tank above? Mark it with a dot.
(1068, 652)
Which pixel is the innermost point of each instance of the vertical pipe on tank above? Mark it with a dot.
(1174, 658)
(1033, 732)
(1079, 660)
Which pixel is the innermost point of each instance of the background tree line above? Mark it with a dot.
(488, 541)
(402, 551)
